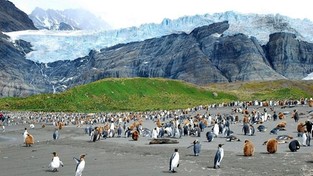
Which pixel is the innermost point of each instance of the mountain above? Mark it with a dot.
(206, 54)
(69, 19)
(13, 19)
(55, 45)
(19, 76)
(203, 56)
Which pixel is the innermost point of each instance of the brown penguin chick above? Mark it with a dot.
(135, 135)
(248, 148)
(29, 140)
(272, 145)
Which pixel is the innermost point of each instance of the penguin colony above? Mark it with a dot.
(248, 147)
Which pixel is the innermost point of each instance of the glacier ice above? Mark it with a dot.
(51, 46)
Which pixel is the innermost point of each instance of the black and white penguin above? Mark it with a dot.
(294, 145)
(119, 131)
(284, 137)
(174, 161)
(232, 138)
(55, 134)
(80, 165)
(56, 162)
(218, 156)
(262, 128)
(196, 147)
(274, 131)
(210, 136)
(95, 135)
(251, 130)
(246, 129)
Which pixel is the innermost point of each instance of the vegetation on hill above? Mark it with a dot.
(144, 94)
(123, 94)
(266, 90)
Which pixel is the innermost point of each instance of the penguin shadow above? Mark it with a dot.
(212, 167)
(191, 155)
(49, 170)
(309, 162)
(169, 172)
(266, 153)
(242, 155)
(27, 146)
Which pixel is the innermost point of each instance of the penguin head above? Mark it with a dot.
(82, 156)
(220, 145)
(54, 153)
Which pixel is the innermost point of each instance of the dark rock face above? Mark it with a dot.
(19, 77)
(288, 56)
(201, 57)
(13, 19)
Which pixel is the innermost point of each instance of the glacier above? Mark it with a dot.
(50, 46)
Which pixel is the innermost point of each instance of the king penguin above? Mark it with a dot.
(218, 156)
(56, 162)
(196, 147)
(55, 134)
(174, 161)
(80, 165)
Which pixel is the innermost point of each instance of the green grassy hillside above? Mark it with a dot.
(266, 90)
(142, 94)
(132, 94)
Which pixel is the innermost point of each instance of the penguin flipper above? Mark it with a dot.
(76, 160)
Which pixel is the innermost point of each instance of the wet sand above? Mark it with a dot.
(123, 156)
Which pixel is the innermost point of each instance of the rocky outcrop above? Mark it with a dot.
(13, 19)
(19, 77)
(289, 56)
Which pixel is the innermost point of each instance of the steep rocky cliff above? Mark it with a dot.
(19, 77)
(13, 19)
(288, 56)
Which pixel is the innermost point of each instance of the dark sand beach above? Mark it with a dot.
(124, 156)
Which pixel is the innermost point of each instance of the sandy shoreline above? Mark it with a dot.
(123, 156)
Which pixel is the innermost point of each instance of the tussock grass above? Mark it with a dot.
(144, 94)
(131, 94)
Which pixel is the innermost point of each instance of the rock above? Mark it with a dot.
(163, 141)
(13, 19)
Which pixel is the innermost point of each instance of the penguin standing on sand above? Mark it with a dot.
(216, 129)
(304, 139)
(218, 156)
(56, 134)
(119, 131)
(56, 162)
(196, 147)
(246, 129)
(80, 165)
(25, 134)
(29, 140)
(174, 161)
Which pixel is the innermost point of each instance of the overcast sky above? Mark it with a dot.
(125, 13)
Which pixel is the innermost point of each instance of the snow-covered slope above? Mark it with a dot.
(50, 46)
(69, 19)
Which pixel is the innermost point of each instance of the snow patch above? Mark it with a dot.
(309, 77)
